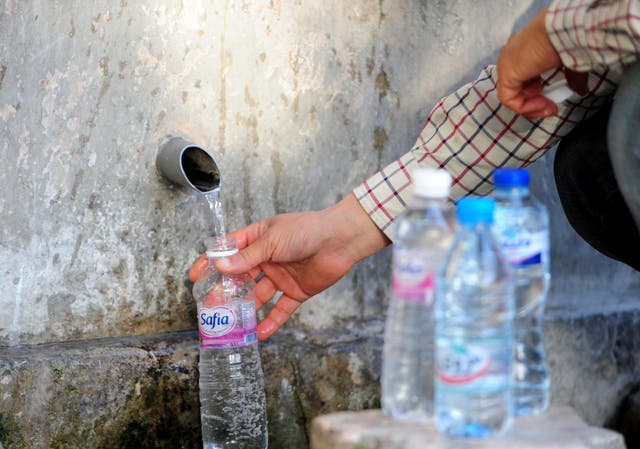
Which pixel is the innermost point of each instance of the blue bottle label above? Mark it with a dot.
(412, 277)
(524, 248)
(470, 365)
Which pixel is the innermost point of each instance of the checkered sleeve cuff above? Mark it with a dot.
(384, 195)
(469, 133)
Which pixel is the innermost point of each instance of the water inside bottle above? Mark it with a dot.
(215, 205)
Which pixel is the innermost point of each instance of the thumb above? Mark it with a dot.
(246, 259)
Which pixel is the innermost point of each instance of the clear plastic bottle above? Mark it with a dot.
(522, 228)
(474, 329)
(232, 398)
(422, 236)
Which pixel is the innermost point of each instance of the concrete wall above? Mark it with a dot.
(299, 100)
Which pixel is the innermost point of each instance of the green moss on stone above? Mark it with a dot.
(11, 435)
(162, 414)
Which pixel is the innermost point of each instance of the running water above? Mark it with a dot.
(215, 204)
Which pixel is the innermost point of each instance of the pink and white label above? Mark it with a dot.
(219, 327)
(217, 321)
(412, 277)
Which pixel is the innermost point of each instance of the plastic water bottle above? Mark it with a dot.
(474, 329)
(232, 399)
(522, 228)
(422, 236)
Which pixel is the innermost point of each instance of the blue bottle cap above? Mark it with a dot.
(511, 177)
(473, 210)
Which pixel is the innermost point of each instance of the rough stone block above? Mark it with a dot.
(142, 392)
(559, 427)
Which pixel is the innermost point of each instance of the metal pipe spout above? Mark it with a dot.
(189, 165)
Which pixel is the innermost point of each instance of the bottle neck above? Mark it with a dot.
(511, 192)
(221, 247)
(477, 228)
(211, 256)
(422, 202)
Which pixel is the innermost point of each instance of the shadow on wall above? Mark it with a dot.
(627, 418)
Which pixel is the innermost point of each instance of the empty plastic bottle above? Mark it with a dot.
(422, 236)
(232, 399)
(474, 329)
(522, 228)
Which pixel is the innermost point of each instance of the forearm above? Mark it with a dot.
(358, 234)
(469, 133)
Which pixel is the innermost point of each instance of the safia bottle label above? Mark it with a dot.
(412, 278)
(219, 327)
(217, 321)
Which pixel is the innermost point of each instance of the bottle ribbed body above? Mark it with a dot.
(232, 400)
(522, 228)
(422, 236)
(474, 336)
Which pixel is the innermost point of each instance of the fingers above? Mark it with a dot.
(532, 107)
(254, 250)
(243, 238)
(538, 107)
(265, 289)
(247, 235)
(526, 56)
(525, 97)
(277, 317)
(197, 268)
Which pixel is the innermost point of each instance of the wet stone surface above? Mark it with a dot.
(142, 392)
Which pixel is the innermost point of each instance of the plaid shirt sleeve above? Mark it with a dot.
(592, 35)
(469, 133)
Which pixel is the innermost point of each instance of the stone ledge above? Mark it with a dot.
(142, 391)
(559, 427)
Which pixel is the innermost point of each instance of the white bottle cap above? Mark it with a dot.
(221, 253)
(558, 91)
(221, 246)
(431, 182)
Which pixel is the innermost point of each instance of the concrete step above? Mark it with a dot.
(558, 427)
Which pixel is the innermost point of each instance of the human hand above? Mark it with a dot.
(300, 254)
(527, 54)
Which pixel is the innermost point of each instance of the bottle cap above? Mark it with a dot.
(221, 253)
(431, 182)
(473, 210)
(511, 177)
(221, 247)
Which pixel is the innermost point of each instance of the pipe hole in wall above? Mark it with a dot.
(200, 169)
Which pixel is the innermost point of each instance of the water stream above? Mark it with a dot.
(215, 205)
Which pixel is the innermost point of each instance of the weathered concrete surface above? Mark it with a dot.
(558, 427)
(302, 100)
(141, 392)
(594, 363)
(102, 394)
